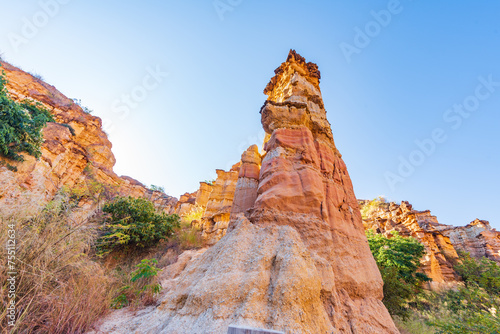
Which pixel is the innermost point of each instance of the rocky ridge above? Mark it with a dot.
(76, 154)
(442, 242)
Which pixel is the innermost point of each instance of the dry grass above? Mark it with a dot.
(59, 288)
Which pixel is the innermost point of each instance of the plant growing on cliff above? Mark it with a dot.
(20, 125)
(157, 188)
(368, 208)
(398, 259)
(78, 102)
(134, 222)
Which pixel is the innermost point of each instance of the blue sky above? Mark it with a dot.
(393, 73)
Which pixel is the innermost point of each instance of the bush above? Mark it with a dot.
(20, 126)
(142, 286)
(398, 259)
(134, 222)
(483, 273)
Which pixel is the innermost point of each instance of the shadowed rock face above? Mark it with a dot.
(69, 157)
(297, 260)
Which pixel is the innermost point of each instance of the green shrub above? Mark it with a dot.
(20, 125)
(483, 273)
(398, 259)
(134, 222)
(143, 285)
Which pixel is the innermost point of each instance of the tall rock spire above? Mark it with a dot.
(295, 257)
(304, 183)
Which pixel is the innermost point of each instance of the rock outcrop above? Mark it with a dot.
(442, 242)
(440, 254)
(476, 238)
(215, 220)
(248, 181)
(76, 153)
(297, 260)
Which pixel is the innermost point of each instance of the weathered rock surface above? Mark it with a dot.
(215, 220)
(297, 260)
(440, 254)
(76, 153)
(476, 238)
(248, 181)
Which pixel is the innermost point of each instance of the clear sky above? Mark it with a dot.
(394, 73)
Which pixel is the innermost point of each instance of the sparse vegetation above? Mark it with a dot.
(372, 206)
(157, 188)
(78, 102)
(134, 223)
(21, 125)
(59, 288)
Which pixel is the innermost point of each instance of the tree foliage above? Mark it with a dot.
(398, 259)
(20, 125)
(482, 273)
(134, 222)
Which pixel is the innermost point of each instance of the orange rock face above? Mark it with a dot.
(215, 220)
(68, 159)
(440, 254)
(304, 184)
(297, 260)
(248, 181)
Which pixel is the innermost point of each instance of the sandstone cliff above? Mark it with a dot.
(76, 153)
(476, 238)
(295, 257)
(440, 255)
(441, 241)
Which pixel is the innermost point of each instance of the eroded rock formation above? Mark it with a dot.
(440, 255)
(442, 242)
(76, 153)
(297, 259)
(476, 238)
(215, 220)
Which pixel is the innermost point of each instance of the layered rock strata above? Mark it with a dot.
(215, 220)
(297, 260)
(477, 238)
(440, 254)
